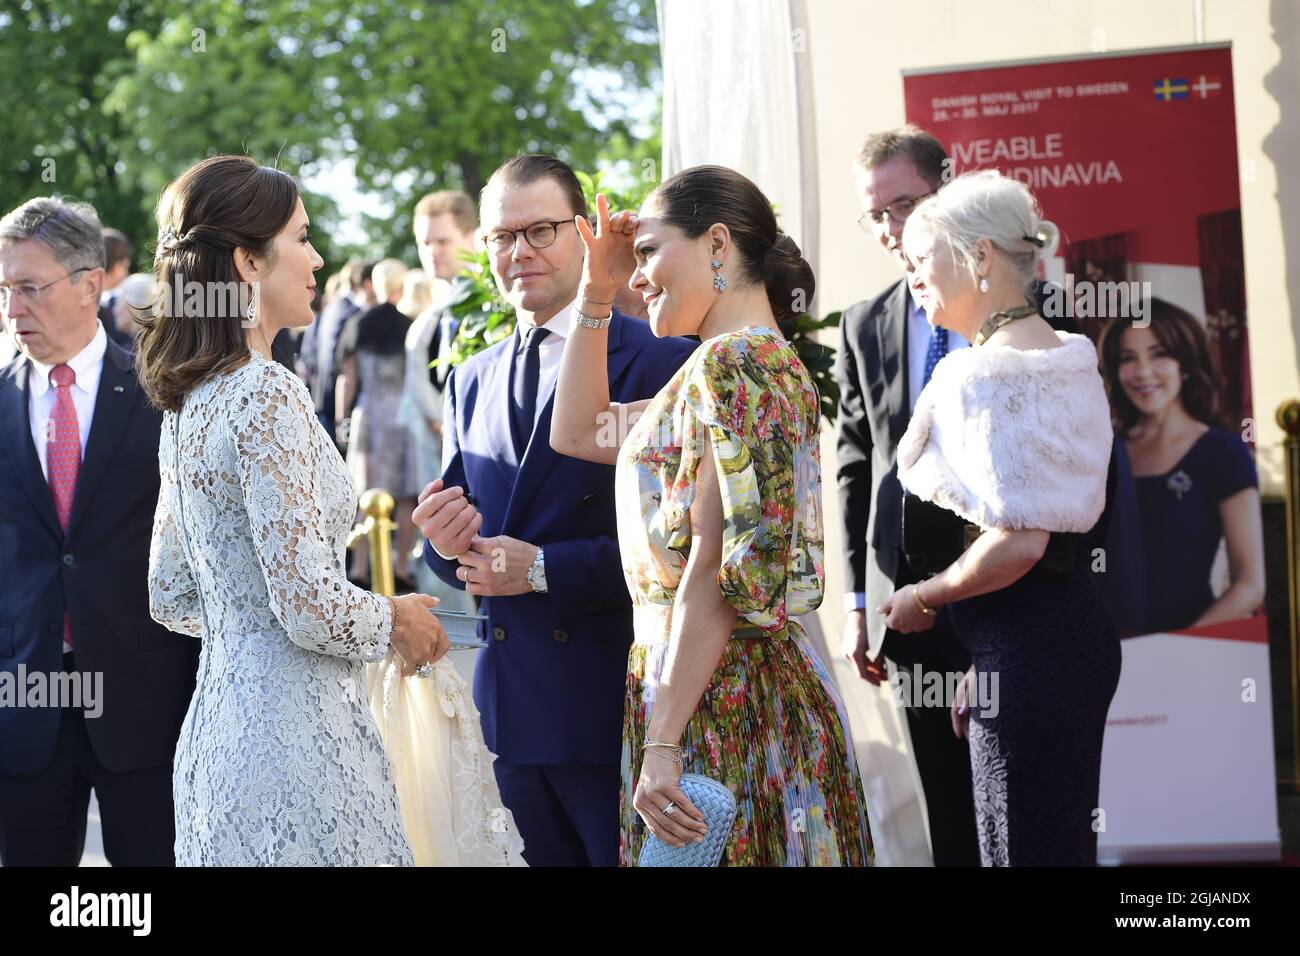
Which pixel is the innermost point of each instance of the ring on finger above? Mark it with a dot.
(669, 810)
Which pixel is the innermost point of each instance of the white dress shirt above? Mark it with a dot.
(86, 365)
(919, 331)
(551, 351)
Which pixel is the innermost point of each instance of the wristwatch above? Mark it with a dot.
(537, 573)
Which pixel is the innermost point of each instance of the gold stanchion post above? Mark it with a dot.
(377, 506)
(1288, 417)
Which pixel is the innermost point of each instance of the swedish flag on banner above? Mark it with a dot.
(1167, 89)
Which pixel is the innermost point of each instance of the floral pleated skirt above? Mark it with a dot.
(772, 728)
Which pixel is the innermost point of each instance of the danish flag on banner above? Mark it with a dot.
(1206, 86)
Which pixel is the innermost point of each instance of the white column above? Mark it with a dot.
(738, 93)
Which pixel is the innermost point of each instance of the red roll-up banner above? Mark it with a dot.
(1134, 157)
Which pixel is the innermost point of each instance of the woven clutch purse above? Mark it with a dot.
(718, 805)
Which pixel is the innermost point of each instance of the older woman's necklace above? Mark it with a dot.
(999, 319)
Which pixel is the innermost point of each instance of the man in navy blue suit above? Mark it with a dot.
(78, 488)
(533, 532)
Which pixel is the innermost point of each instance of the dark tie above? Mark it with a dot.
(937, 350)
(523, 391)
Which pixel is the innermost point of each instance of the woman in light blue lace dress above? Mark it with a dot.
(279, 760)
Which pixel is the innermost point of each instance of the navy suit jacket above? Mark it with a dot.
(98, 571)
(550, 683)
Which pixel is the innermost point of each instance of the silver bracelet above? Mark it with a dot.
(587, 322)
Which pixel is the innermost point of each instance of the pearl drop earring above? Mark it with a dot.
(984, 284)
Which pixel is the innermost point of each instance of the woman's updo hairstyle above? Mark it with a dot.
(216, 206)
(696, 198)
(987, 205)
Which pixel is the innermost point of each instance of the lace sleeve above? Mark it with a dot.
(279, 472)
(173, 594)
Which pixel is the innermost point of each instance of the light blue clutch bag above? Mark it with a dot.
(718, 805)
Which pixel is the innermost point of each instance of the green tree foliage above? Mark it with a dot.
(124, 94)
(59, 63)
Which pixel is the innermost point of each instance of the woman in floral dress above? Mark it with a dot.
(719, 508)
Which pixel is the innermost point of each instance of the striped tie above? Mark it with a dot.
(63, 455)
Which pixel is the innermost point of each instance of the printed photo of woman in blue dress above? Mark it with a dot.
(1195, 480)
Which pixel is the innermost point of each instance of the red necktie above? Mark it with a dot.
(63, 454)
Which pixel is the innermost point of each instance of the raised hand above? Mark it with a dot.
(609, 261)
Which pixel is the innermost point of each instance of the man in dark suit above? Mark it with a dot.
(887, 351)
(534, 532)
(78, 488)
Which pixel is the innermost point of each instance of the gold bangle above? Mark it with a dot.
(916, 593)
(660, 743)
(671, 755)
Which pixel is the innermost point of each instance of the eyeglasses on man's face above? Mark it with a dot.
(897, 211)
(539, 235)
(30, 292)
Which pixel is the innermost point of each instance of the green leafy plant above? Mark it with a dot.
(486, 318)
(630, 198)
(819, 359)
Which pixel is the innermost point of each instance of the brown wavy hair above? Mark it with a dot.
(1183, 337)
(213, 208)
